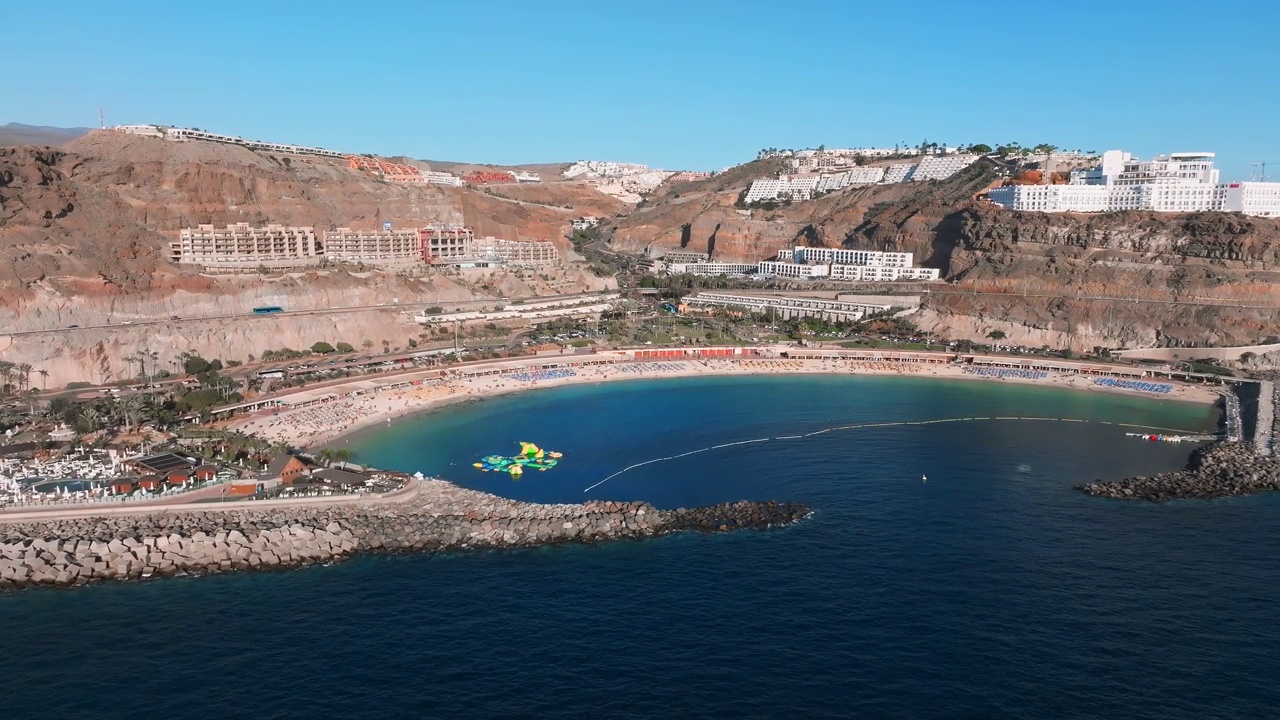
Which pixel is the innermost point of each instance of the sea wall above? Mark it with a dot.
(1223, 469)
(439, 517)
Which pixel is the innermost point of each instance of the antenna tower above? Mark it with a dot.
(102, 119)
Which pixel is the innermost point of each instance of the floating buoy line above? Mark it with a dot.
(1182, 434)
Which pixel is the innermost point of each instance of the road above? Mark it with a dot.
(463, 305)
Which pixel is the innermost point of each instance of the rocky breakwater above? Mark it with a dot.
(1224, 469)
(439, 517)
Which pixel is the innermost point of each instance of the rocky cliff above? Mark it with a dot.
(1064, 280)
(87, 224)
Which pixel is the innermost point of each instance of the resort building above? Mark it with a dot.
(685, 256)
(1178, 182)
(851, 178)
(445, 242)
(585, 223)
(526, 177)
(245, 248)
(516, 253)
(871, 273)
(783, 187)
(713, 268)
(898, 173)
(789, 306)
(689, 176)
(441, 178)
(941, 167)
(846, 256)
(374, 247)
(190, 134)
(792, 270)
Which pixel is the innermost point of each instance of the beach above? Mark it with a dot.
(331, 422)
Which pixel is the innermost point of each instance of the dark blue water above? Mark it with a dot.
(991, 590)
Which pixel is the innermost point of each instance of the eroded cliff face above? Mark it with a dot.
(1077, 281)
(87, 225)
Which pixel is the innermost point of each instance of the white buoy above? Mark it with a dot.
(924, 478)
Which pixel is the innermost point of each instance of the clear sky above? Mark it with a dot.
(681, 84)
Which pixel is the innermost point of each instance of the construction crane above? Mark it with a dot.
(1260, 175)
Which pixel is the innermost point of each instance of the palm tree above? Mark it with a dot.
(6, 374)
(44, 378)
(25, 379)
(90, 416)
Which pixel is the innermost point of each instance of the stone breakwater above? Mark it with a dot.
(440, 517)
(1214, 471)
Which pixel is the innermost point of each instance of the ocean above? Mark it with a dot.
(948, 570)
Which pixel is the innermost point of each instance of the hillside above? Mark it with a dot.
(1181, 279)
(19, 134)
(84, 230)
(102, 208)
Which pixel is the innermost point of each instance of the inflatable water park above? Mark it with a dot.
(530, 456)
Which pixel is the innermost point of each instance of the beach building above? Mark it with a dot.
(1178, 182)
(789, 306)
(390, 248)
(177, 134)
(517, 253)
(242, 247)
(285, 468)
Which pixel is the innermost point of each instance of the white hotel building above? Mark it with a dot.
(1178, 182)
(788, 306)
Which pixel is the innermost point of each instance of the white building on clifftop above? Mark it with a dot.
(1178, 182)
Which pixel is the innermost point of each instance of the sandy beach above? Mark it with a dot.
(332, 421)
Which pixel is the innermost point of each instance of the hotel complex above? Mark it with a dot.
(188, 134)
(244, 248)
(1178, 182)
(786, 307)
(809, 263)
(804, 187)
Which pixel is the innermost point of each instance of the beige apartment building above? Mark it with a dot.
(242, 247)
(519, 254)
(391, 248)
(446, 242)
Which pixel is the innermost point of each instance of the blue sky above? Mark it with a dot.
(679, 85)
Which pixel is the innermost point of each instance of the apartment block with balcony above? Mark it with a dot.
(242, 247)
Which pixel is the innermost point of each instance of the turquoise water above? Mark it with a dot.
(993, 590)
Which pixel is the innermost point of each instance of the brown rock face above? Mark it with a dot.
(1078, 281)
(94, 217)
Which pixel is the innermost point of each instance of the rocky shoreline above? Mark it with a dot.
(1220, 470)
(439, 517)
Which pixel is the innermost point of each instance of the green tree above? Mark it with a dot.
(980, 148)
(322, 348)
(194, 365)
(997, 335)
(345, 348)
